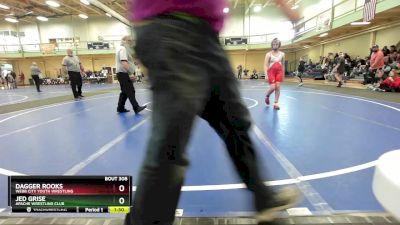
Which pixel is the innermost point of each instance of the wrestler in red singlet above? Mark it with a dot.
(275, 69)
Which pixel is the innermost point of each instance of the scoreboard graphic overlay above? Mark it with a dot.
(70, 194)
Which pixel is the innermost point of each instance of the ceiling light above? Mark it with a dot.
(42, 18)
(11, 19)
(4, 6)
(323, 35)
(226, 10)
(257, 8)
(53, 3)
(295, 7)
(86, 2)
(83, 16)
(359, 23)
(306, 46)
(108, 14)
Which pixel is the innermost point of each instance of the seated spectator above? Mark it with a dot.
(355, 62)
(392, 82)
(245, 72)
(385, 51)
(393, 53)
(386, 70)
(254, 75)
(368, 74)
(336, 58)
(347, 57)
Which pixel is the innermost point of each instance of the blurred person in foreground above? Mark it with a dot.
(190, 75)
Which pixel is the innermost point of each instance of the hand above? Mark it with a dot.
(132, 77)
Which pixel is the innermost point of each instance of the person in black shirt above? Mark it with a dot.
(340, 69)
(240, 70)
(300, 70)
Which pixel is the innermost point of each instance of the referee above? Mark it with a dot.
(125, 70)
(74, 68)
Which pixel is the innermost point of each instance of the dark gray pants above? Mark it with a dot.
(127, 91)
(37, 81)
(76, 83)
(189, 75)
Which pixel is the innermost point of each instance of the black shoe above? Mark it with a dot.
(140, 108)
(283, 199)
(122, 110)
(81, 96)
(339, 84)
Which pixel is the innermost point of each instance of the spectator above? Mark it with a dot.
(245, 72)
(300, 70)
(385, 51)
(10, 81)
(336, 58)
(340, 69)
(393, 53)
(240, 70)
(14, 75)
(325, 63)
(392, 82)
(254, 75)
(73, 67)
(377, 63)
(22, 78)
(386, 69)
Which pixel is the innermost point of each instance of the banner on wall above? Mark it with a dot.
(236, 41)
(48, 49)
(99, 45)
(324, 21)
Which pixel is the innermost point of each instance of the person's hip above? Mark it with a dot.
(122, 74)
(172, 31)
(123, 77)
(181, 21)
(74, 73)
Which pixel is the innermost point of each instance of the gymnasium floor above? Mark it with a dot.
(325, 142)
(28, 93)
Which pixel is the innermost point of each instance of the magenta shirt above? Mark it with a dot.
(209, 10)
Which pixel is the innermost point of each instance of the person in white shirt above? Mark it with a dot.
(35, 72)
(72, 65)
(125, 71)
